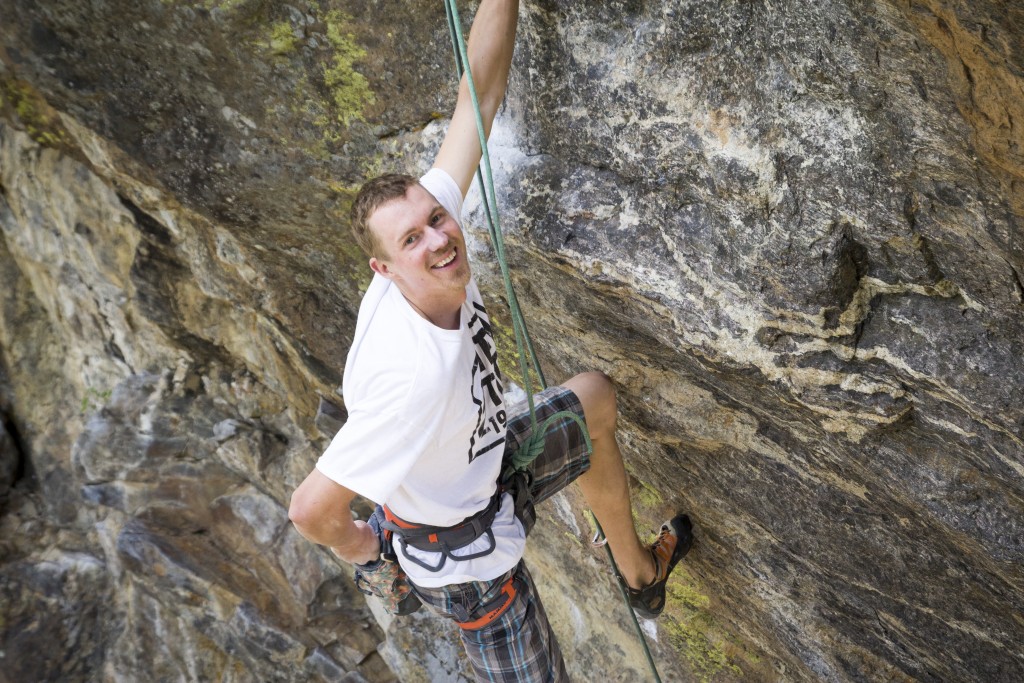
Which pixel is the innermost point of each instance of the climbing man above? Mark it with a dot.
(428, 429)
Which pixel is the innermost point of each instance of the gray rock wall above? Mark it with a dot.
(791, 233)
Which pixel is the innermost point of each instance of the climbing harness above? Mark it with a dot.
(444, 540)
(534, 445)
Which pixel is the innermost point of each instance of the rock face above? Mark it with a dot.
(790, 232)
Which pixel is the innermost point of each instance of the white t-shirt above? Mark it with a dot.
(426, 420)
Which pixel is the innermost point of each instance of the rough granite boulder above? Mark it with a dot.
(789, 232)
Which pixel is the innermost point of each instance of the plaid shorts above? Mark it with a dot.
(519, 646)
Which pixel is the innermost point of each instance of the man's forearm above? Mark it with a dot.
(491, 42)
(351, 541)
(319, 510)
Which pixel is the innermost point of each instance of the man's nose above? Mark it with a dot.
(438, 239)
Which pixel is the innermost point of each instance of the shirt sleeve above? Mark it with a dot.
(373, 453)
(437, 182)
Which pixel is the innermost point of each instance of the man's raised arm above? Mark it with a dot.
(491, 41)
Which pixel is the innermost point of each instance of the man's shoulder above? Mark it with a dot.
(382, 323)
(445, 190)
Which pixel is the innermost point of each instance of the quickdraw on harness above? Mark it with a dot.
(534, 444)
(384, 579)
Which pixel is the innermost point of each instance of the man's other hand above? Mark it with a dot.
(365, 547)
(320, 510)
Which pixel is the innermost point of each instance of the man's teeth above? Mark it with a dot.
(442, 264)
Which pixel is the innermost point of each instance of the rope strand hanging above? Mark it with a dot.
(535, 444)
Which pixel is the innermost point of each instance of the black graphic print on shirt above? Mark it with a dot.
(486, 388)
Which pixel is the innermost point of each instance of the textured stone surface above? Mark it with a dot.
(10, 463)
(790, 233)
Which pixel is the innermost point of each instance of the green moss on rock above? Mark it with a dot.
(349, 89)
(329, 94)
(647, 496)
(282, 38)
(31, 110)
(508, 351)
(693, 629)
(224, 5)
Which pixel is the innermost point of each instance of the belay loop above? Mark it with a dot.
(534, 444)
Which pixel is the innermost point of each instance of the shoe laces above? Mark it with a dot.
(662, 550)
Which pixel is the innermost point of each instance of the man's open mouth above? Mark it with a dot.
(445, 261)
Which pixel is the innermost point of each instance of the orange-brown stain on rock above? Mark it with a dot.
(988, 92)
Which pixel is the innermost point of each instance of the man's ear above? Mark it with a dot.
(381, 268)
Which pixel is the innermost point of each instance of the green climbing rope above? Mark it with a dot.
(533, 446)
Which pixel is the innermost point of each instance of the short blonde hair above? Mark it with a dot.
(372, 195)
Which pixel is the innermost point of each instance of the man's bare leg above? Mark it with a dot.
(604, 485)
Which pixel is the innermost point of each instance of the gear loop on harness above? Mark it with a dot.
(444, 540)
(493, 609)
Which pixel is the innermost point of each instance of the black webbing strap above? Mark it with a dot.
(445, 540)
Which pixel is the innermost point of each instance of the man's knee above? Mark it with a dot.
(597, 396)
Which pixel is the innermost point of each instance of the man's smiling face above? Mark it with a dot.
(424, 251)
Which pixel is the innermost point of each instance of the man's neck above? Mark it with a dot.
(444, 314)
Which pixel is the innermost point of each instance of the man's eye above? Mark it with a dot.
(435, 219)
(410, 239)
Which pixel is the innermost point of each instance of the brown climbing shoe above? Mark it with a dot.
(672, 544)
